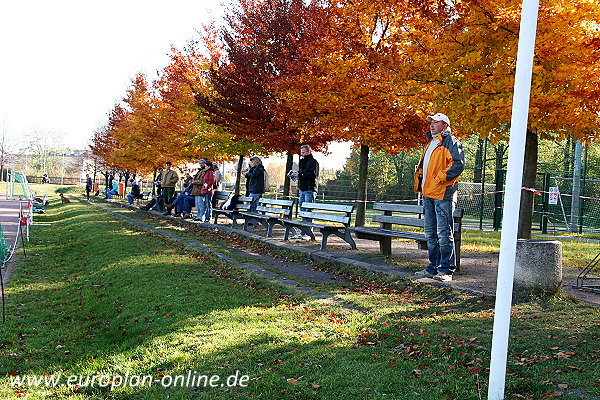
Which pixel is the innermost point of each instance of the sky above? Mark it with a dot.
(65, 63)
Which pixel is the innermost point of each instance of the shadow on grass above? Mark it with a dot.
(97, 297)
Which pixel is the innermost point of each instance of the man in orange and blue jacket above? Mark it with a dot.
(436, 178)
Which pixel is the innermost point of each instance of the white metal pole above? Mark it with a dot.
(512, 199)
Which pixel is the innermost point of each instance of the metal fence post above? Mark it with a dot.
(545, 201)
(500, 175)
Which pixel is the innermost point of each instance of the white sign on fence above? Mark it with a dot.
(553, 197)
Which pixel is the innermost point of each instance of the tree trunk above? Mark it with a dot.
(362, 185)
(289, 162)
(527, 196)
(126, 175)
(238, 180)
(154, 184)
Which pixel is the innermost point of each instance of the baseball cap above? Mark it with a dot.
(439, 117)
(202, 160)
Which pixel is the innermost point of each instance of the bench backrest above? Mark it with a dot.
(279, 208)
(243, 203)
(412, 215)
(220, 195)
(328, 212)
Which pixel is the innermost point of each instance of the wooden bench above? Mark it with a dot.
(219, 197)
(409, 215)
(341, 215)
(242, 204)
(268, 213)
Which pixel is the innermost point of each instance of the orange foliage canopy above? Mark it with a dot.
(465, 57)
(378, 67)
(258, 47)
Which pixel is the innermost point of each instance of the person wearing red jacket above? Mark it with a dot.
(207, 190)
(436, 178)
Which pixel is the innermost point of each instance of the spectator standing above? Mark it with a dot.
(436, 178)
(256, 181)
(207, 192)
(158, 204)
(197, 183)
(88, 185)
(218, 176)
(167, 183)
(307, 175)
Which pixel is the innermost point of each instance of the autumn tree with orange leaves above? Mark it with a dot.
(258, 47)
(347, 86)
(379, 64)
(464, 57)
(180, 81)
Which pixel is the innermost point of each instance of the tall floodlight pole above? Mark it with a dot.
(512, 199)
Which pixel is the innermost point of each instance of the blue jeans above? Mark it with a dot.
(439, 231)
(180, 203)
(187, 204)
(255, 197)
(199, 206)
(130, 198)
(307, 196)
(207, 197)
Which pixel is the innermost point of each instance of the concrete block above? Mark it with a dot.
(538, 265)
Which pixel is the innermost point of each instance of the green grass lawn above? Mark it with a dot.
(96, 297)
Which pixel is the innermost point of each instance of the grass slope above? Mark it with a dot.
(96, 296)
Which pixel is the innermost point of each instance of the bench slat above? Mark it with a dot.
(328, 207)
(405, 208)
(342, 219)
(392, 219)
(278, 211)
(390, 233)
(288, 203)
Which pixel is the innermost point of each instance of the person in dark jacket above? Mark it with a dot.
(135, 192)
(256, 181)
(307, 175)
(88, 185)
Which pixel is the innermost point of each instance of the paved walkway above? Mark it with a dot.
(478, 274)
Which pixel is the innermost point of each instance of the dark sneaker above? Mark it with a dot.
(424, 274)
(440, 276)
